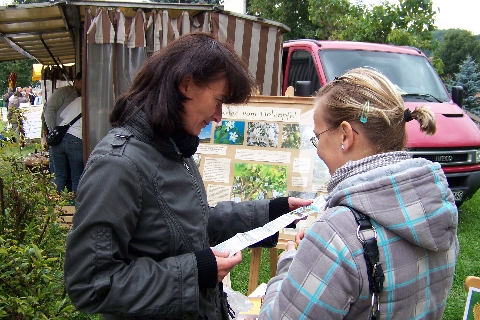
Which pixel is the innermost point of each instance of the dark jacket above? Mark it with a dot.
(141, 214)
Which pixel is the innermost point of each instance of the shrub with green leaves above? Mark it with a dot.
(32, 241)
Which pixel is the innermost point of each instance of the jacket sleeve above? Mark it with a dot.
(319, 281)
(51, 108)
(228, 218)
(100, 274)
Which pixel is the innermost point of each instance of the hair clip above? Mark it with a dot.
(407, 115)
(364, 114)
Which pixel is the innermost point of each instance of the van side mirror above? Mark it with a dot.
(303, 88)
(457, 95)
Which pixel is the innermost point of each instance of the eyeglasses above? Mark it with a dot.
(314, 139)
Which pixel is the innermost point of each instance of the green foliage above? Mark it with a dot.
(22, 67)
(294, 14)
(467, 263)
(259, 181)
(328, 16)
(469, 78)
(189, 1)
(31, 241)
(438, 65)
(291, 137)
(408, 23)
(456, 46)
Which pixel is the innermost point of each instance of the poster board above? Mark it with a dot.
(262, 150)
(32, 123)
(472, 307)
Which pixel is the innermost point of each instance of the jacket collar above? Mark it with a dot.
(139, 126)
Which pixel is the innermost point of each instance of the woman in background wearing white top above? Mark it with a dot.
(68, 155)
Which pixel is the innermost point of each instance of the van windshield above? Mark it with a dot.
(413, 75)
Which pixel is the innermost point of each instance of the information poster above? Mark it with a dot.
(262, 150)
(33, 122)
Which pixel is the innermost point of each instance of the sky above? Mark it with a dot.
(451, 14)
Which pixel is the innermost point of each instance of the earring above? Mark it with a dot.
(343, 147)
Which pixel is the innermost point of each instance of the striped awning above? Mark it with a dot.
(258, 42)
(47, 31)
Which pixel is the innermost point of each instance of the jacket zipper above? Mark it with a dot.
(196, 186)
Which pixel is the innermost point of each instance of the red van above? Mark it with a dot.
(310, 64)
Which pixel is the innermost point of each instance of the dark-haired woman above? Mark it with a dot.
(142, 232)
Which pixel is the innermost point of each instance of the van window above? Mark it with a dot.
(302, 68)
(411, 74)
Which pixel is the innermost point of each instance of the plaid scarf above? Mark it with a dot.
(352, 168)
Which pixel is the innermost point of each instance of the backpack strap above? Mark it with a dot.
(367, 235)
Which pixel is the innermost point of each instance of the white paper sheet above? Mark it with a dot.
(242, 240)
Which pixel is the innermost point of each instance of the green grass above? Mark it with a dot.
(468, 261)
(30, 146)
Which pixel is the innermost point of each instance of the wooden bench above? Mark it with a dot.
(67, 216)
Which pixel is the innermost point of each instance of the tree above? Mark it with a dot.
(469, 78)
(456, 46)
(329, 16)
(408, 23)
(293, 14)
(22, 67)
(189, 1)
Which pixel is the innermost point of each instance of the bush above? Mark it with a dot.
(32, 242)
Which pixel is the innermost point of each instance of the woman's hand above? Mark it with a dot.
(225, 264)
(295, 203)
(290, 246)
(299, 236)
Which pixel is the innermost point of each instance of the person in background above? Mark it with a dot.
(142, 233)
(30, 95)
(13, 109)
(53, 108)
(359, 127)
(68, 155)
(59, 100)
(19, 90)
(7, 96)
(38, 99)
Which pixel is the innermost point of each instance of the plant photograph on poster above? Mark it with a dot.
(258, 181)
(291, 136)
(230, 132)
(306, 132)
(206, 134)
(262, 134)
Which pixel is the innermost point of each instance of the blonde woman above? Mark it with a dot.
(360, 135)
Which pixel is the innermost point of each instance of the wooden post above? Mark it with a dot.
(273, 261)
(254, 269)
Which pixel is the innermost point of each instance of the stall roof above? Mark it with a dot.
(48, 32)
